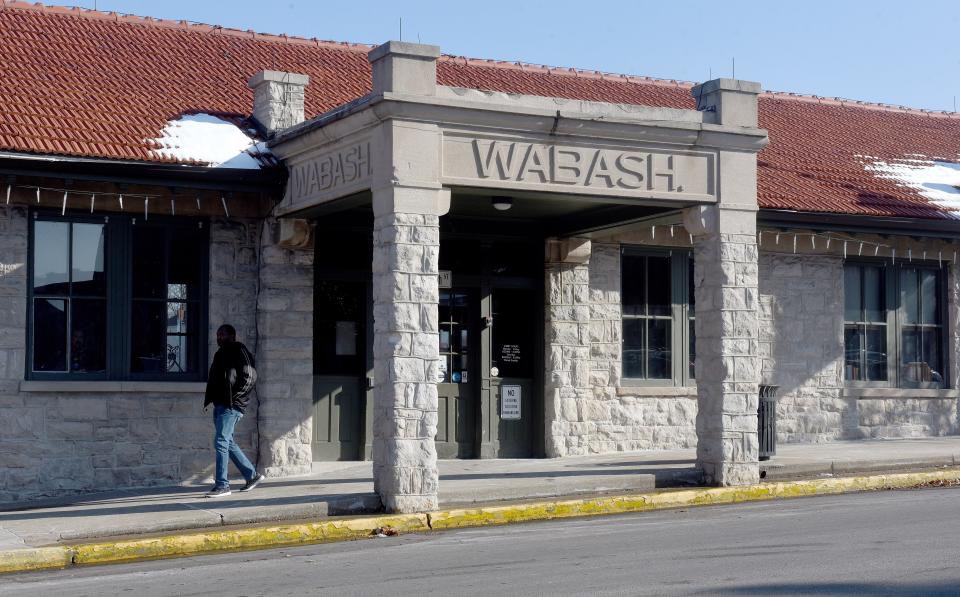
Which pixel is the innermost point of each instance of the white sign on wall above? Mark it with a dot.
(510, 403)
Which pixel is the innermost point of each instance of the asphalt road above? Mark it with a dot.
(886, 543)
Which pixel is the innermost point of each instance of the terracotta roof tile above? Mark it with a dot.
(95, 84)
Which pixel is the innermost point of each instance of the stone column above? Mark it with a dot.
(727, 300)
(407, 204)
(568, 391)
(285, 354)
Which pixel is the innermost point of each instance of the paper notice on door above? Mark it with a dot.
(510, 403)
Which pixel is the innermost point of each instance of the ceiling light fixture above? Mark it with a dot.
(501, 203)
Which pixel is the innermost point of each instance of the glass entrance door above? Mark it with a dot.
(456, 387)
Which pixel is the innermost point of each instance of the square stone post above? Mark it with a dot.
(725, 287)
(407, 204)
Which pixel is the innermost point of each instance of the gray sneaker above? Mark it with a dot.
(253, 482)
(218, 492)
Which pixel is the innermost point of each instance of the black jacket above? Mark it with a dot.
(232, 377)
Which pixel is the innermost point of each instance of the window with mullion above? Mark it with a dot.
(893, 325)
(921, 329)
(166, 286)
(68, 298)
(865, 323)
(111, 299)
(657, 321)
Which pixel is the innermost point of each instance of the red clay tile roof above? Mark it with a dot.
(83, 83)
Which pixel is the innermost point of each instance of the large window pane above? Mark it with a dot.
(185, 267)
(874, 303)
(851, 293)
(853, 346)
(929, 310)
(49, 335)
(658, 353)
(147, 339)
(875, 353)
(633, 348)
(149, 262)
(88, 335)
(908, 295)
(87, 266)
(658, 286)
(51, 257)
(633, 285)
(910, 356)
(693, 351)
(930, 346)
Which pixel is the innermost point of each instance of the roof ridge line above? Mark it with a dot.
(854, 103)
(183, 24)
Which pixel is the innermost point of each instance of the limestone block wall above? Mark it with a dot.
(54, 443)
(801, 300)
(589, 410)
(801, 345)
(285, 356)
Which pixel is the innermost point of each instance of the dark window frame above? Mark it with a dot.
(118, 269)
(896, 323)
(681, 316)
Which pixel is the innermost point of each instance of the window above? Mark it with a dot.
(117, 298)
(893, 325)
(658, 316)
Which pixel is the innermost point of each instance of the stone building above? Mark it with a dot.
(439, 257)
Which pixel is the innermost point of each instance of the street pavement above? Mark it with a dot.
(881, 543)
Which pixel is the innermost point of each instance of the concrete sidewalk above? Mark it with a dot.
(336, 489)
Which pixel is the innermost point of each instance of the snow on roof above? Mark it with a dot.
(937, 180)
(209, 140)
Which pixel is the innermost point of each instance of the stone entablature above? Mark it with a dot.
(334, 172)
(514, 143)
(539, 163)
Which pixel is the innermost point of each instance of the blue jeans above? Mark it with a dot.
(224, 421)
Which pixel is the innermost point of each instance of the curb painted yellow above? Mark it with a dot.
(35, 558)
(346, 529)
(237, 539)
(682, 498)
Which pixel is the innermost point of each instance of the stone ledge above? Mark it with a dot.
(657, 391)
(141, 387)
(899, 393)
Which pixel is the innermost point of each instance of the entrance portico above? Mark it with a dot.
(411, 149)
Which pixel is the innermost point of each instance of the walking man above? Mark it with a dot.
(232, 377)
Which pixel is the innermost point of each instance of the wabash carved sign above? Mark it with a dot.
(332, 173)
(578, 169)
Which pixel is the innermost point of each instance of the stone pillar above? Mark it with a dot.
(568, 388)
(285, 355)
(407, 204)
(725, 286)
